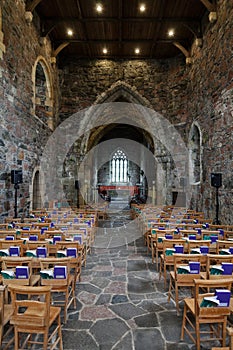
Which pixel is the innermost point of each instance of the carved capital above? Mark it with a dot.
(212, 17)
(28, 16)
(53, 60)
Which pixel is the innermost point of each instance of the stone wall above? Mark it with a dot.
(201, 92)
(22, 135)
(211, 103)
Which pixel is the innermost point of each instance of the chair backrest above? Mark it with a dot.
(222, 245)
(63, 245)
(210, 286)
(14, 243)
(49, 264)
(199, 246)
(182, 266)
(171, 243)
(215, 269)
(10, 263)
(31, 305)
(31, 245)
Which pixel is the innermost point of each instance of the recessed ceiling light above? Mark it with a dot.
(99, 7)
(171, 32)
(137, 50)
(70, 32)
(105, 50)
(142, 8)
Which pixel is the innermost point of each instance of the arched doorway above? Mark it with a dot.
(36, 196)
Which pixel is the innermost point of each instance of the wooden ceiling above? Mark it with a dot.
(121, 27)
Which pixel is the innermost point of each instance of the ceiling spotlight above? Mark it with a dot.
(137, 51)
(105, 50)
(70, 32)
(142, 8)
(171, 32)
(99, 7)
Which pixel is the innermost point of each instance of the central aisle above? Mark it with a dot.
(121, 303)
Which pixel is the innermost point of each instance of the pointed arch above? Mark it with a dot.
(43, 94)
(35, 189)
(121, 89)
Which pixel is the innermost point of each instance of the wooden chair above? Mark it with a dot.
(10, 263)
(196, 317)
(33, 315)
(63, 286)
(157, 247)
(75, 261)
(167, 259)
(197, 246)
(6, 311)
(213, 236)
(178, 279)
(84, 241)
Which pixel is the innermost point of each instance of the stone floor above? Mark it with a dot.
(121, 303)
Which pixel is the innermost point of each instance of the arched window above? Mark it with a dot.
(43, 102)
(195, 155)
(119, 167)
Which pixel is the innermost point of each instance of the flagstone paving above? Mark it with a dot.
(121, 303)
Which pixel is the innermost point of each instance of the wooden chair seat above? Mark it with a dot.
(36, 317)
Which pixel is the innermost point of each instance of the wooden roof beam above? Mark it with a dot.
(184, 51)
(53, 58)
(30, 7)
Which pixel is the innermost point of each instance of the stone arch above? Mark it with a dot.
(143, 118)
(118, 91)
(43, 94)
(195, 154)
(36, 189)
(121, 89)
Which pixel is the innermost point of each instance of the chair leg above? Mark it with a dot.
(157, 259)
(16, 338)
(60, 333)
(177, 298)
(198, 337)
(45, 343)
(169, 289)
(165, 275)
(183, 322)
(224, 332)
